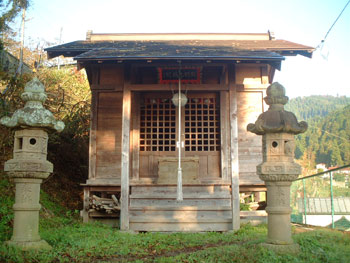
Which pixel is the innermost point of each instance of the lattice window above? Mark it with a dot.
(157, 124)
(202, 123)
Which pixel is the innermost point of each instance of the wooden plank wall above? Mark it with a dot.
(108, 141)
(249, 144)
(254, 80)
(106, 122)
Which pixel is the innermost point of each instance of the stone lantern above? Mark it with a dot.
(278, 168)
(29, 165)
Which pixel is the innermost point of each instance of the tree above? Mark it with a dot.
(308, 159)
(10, 10)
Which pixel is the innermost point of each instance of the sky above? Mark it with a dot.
(300, 21)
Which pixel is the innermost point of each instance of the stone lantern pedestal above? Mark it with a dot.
(29, 165)
(278, 168)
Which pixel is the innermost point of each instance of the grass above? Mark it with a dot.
(6, 203)
(73, 241)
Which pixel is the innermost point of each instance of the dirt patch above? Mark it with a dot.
(154, 254)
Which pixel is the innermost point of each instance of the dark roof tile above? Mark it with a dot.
(257, 49)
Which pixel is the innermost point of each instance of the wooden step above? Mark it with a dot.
(140, 219)
(173, 202)
(185, 196)
(204, 208)
(182, 208)
(182, 212)
(181, 227)
(171, 189)
(254, 217)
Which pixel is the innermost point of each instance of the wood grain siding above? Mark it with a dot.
(108, 135)
(251, 76)
(250, 106)
(110, 74)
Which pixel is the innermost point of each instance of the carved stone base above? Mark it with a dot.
(283, 249)
(26, 215)
(25, 246)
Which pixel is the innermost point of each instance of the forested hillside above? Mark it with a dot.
(308, 108)
(327, 139)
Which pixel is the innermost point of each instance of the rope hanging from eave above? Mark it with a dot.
(329, 30)
(179, 169)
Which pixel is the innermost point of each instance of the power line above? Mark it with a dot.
(329, 133)
(329, 30)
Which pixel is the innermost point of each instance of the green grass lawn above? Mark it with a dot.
(73, 241)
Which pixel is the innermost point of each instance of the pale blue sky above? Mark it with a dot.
(301, 21)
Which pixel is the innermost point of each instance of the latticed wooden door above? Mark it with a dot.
(157, 131)
(200, 132)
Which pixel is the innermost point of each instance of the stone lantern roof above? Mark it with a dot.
(276, 119)
(33, 114)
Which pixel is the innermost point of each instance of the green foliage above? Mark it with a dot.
(339, 177)
(316, 187)
(316, 106)
(10, 90)
(69, 100)
(327, 139)
(9, 10)
(6, 212)
(244, 207)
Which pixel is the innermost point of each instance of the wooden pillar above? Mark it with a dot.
(225, 136)
(135, 147)
(85, 211)
(234, 151)
(124, 199)
(94, 81)
(93, 130)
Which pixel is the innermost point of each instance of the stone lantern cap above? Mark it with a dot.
(276, 119)
(33, 114)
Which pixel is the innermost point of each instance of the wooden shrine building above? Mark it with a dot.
(135, 124)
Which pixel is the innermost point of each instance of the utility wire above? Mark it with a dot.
(329, 30)
(329, 133)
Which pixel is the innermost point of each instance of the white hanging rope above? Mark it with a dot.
(179, 169)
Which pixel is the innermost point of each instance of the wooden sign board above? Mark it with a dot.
(171, 75)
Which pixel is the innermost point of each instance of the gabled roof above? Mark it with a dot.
(179, 46)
